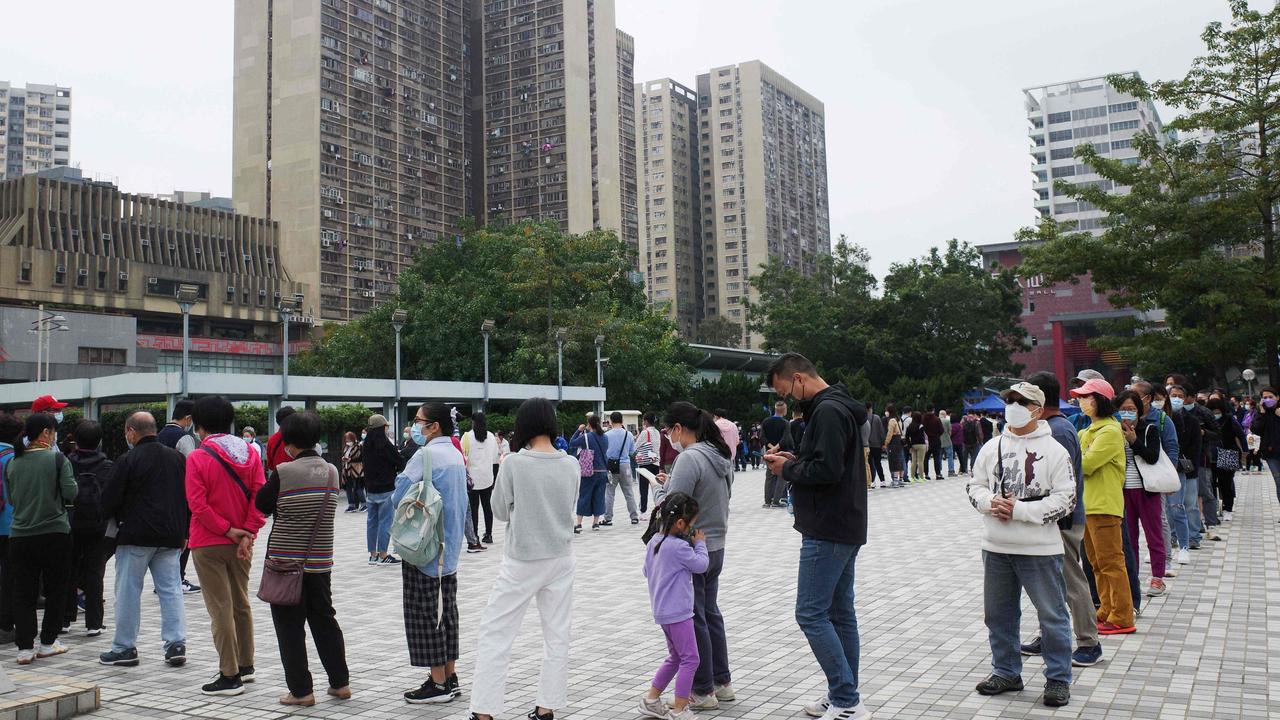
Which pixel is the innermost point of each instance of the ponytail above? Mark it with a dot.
(675, 507)
(700, 422)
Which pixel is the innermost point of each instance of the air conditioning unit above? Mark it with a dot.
(153, 281)
(338, 200)
(146, 242)
(325, 243)
(106, 237)
(198, 250)
(248, 257)
(84, 272)
(231, 289)
(367, 293)
(62, 268)
(124, 276)
(75, 233)
(327, 213)
(262, 293)
(173, 247)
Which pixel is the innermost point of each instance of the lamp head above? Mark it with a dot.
(486, 327)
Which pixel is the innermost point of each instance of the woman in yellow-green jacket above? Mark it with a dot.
(1103, 461)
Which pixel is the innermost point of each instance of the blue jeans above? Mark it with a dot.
(826, 614)
(1273, 464)
(132, 563)
(377, 521)
(949, 452)
(1004, 578)
(591, 495)
(1184, 512)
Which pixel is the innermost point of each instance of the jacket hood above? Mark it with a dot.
(1042, 430)
(708, 452)
(837, 392)
(233, 449)
(88, 461)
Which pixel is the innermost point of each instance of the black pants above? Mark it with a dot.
(186, 555)
(643, 485)
(88, 563)
(877, 470)
(1224, 481)
(6, 587)
(355, 492)
(316, 612)
(476, 498)
(934, 452)
(35, 561)
(708, 628)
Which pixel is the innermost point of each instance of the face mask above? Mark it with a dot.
(126, 442)
(1217, 416)
(1017, 416)
(675, 444)
(406, 435)
(1268, 403)
(57, 417)
(364, 435)
(1176, 403)
(1130, 415)
(1157, 404)
(416, 433)
(248, 439)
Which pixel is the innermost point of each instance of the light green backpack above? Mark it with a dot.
(417, 528)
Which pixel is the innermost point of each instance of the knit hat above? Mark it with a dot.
(377, 421)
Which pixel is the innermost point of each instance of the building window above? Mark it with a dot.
(1125, 125)
(1121, 144)
(102, 279)
(1061, 117)
(24, 275)
(103, 356)
(1122, 107)
(1060, 135)
(60, 275)
(1061, 153)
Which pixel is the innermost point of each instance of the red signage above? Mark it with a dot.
(219, 345)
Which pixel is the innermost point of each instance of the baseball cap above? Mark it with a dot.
(1026, 390)
(44, 403)
(1101, 387)
(377, 421)
(1085, 376)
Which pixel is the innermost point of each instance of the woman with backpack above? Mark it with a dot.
(591, 486)
(535, 493)
(704, 471)
(39, 484)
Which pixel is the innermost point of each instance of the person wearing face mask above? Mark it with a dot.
(1198, 417)
(275, 443)
(1185, 505)
(1267, 427)
(829, 500)
(381, 463)
(1023, 483)
(1142, 440)
(1165, 426)
(353, 472)
(591, 487)
(1102, 459)
(177, 433)
(1228, 439)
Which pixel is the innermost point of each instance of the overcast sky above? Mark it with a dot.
(926, 130)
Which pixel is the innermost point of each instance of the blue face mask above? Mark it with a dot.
(1176, 403)
(1217, 416)
(57, 417)
(415, 432)
(1130, 415)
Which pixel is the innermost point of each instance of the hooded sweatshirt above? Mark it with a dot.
(1036, 471)
(828, 476)
(707, 476)
(219, 503)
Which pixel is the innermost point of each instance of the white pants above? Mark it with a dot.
(519, 581)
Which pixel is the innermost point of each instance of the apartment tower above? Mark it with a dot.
(666, 119)
(763, 181)
(350, 131)
(35, 128)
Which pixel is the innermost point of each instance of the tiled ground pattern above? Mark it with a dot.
(1209, 650)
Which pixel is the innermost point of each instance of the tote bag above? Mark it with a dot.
(1160, 476)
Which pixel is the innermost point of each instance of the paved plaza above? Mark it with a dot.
(1210, 649)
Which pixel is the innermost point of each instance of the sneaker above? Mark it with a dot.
(1184, 557)
(26, 657)
(653, 708)
(767, 505)
(294, 700)
(1169, 572)
(1056, 693)
(533, 715)
(430, 692)
(389, 560)
(121, 658)
(475, 547)
(596, 526)
(189, 588)
(1107, 628)
(1031, 648)
(363, 508)
(635, 521)
(93, 632)
(451, 683)
(1214, 536)
(1156, 589)
(350, 509)
(1195, 545)
(487, 539)
(342, 693)
(577, 529)
(857, 712)
(685, 714)
(373, 560)
(246, 674)
(1087, 656)
(817, 708)
(724, 693)
(65, 629)
(176, 654)
(56, 648)
(703, 702)
(223, 685)
(80, 601)
(994, 685)
(606, 523)
(1226, 516)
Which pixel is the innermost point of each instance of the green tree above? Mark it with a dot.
(735, 393)
(720, 331)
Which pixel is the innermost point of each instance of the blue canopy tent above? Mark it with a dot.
(993, 403)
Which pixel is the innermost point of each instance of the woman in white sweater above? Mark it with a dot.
(482, 449)
(535, 492)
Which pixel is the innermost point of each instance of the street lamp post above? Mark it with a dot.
(560, 334)
(398, 319)
(486, 327)
(600, 361)
(187, 297)
(1248, 376)
(287, 308)
(42, 326)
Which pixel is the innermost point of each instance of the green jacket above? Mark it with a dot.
(1102, 460)
(40, 485)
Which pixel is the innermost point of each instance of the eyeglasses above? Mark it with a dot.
(1018, 401)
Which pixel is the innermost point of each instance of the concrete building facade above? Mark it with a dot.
(35, 128)
(670, 230)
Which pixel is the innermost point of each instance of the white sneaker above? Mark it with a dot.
(724, 693)
(26, 657)
(57, 648)
(1226, 516)
(1184, 556)
(685, 714)
(857, 712)
(817, 708)
(703, 702)
(655, 708)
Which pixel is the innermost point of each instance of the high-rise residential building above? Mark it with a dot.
(350, 131)
(666, 121)
(764, 181)
(628, 177)
(553, 141)
(1066, 115)
(35, 128)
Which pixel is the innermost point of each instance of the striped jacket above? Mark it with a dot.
(295, 493)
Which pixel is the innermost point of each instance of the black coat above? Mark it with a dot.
(382, 461)
(147, 496)
(828, 477)
(1267, 427)
(89, 468)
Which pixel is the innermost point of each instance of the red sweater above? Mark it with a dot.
(275, 451)
(216, 500)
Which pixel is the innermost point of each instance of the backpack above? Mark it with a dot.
(417, 527)
(86, 513)
(4, 496)
(971, 432)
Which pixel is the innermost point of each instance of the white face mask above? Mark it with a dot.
(1157, 404)
(1017, 416)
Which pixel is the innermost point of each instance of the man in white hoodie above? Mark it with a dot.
(1023, 483)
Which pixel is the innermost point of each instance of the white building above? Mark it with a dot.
(1069, 114)
(35, 128)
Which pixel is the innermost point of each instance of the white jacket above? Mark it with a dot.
(481, 457)
(1037, 473)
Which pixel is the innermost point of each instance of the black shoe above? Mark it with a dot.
(246, 673)
(995, 685)
(1056, 693)
(577, 529)
(487, 539)
(1195, 546)
(176, 654)
(223, 685)
(533, 715)
(635, 521)
(122, 658)
(1031, 648)
(605, 523)
(429, 693)
(451, 683)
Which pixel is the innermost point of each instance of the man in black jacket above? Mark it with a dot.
(147, 497)
(829, 496)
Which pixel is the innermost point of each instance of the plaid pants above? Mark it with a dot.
(432, 642)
